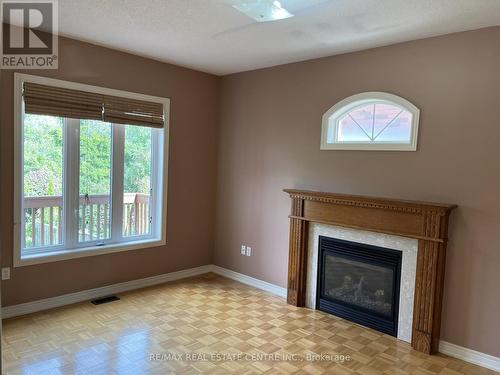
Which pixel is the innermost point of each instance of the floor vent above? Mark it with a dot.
(100, 301)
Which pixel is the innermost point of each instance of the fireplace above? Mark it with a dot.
(422, 221)
(360, 283)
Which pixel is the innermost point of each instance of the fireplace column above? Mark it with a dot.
(429, 284)
(297, 260)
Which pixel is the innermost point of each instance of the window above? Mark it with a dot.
(371, 121)
(87, 186)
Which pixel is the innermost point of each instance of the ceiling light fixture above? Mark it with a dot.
(263, 10)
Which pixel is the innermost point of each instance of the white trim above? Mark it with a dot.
(71, 160)
(117, 177)
(159, 236)
(85, 295)
(18, 167)
(334, 114)
(80, 252)
(245, 279)
(90, 88)
(452, 350)
(469, 355)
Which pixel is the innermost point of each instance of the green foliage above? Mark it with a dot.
(43, 157)
(95, 157)
(43, 149)
(137, 159)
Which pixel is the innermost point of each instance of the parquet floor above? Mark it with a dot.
(206, 325)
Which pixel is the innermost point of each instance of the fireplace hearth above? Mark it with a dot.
(360, 283)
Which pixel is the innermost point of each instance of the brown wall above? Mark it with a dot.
(269, 140)
(192, 162)
(269, 136)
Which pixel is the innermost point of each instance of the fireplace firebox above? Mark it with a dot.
(360, 283)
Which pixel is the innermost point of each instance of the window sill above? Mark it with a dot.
(369, 146)
(55, 256)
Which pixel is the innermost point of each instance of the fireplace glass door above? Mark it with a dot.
(360, 283)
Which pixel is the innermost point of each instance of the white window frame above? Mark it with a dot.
(159, 183)
(331, 118)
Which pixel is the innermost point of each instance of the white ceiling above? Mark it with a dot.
(212, 36)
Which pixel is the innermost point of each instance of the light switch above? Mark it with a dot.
(6, 273)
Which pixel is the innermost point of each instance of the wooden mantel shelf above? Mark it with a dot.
(427, 222)
(387, 203)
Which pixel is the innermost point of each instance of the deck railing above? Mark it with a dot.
(46, 210)
(44, 218)
(135, 214)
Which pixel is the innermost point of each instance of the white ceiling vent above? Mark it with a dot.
(263, 10)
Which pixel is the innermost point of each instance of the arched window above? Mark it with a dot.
(371, 121)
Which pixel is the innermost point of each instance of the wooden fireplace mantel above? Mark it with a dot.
(427, 222)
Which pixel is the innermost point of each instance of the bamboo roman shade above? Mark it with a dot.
(56, 101)
(135, 112)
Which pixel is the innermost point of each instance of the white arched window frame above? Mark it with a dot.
(330, 139)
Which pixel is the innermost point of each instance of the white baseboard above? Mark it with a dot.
(452, 350)
(245, 279)
(469, 355)
(85, 295)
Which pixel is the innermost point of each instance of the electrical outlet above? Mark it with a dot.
(243, 250)
(249, 251)
(6, 273)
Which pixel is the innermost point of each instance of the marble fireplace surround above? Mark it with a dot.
(408, 247)
(427, 223)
